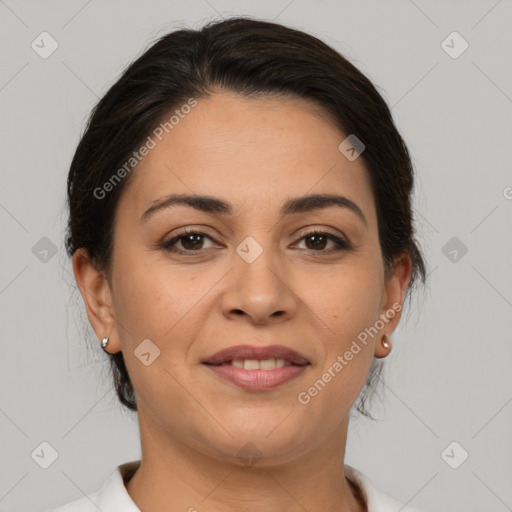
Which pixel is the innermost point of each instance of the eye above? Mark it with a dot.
(191, 241)
(318, 239)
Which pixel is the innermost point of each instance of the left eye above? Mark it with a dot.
(192, 242)
(319, 239)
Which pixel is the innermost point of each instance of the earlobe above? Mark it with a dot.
(97, 297)
(383, 347)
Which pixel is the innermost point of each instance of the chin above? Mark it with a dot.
(263, 445)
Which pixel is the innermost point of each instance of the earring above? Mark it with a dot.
(384, 341)
(104, 342)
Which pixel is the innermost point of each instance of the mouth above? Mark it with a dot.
(257, 368)
(258, 364)
(272, 354)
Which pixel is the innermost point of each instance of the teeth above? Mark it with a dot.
(254, 364)
(268, 364)
(251, 364)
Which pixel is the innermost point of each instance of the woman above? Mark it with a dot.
(241, 234)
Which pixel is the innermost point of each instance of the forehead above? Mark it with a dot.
(249, 151)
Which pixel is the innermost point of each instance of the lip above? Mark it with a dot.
(254, 352)
(257, 380)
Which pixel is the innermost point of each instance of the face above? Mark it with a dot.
(309, 279)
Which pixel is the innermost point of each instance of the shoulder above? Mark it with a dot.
(376, 499)
(111, 497)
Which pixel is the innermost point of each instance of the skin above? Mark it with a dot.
(255, 154)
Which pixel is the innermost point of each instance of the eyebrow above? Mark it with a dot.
(214, 205)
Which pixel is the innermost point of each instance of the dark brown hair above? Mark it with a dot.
(249, 57)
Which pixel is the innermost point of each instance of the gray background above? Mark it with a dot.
(448, 377)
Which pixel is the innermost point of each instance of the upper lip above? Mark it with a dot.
(255, 352)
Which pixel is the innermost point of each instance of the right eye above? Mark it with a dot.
(190, 240)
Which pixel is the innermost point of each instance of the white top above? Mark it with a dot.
(113, 496)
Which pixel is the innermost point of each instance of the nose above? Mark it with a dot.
(261, 290)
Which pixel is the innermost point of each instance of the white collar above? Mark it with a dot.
(376, 500)
(113, 496)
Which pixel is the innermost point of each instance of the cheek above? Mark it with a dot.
(149, 298)
(347, 306)
(347, 298)
(152, 302)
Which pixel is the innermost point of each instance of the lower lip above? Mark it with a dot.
(257, 380)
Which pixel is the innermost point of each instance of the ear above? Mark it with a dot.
(395, 288)
(97, 296)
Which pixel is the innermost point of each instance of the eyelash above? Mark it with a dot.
(342, 244)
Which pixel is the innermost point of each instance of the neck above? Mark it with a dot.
(175, 476)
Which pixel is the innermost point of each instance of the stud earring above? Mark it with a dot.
(384, 341)
(104, 343)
